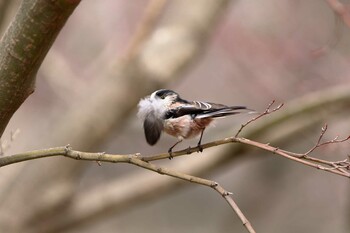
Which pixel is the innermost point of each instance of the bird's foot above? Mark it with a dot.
(170, 154)
(188, 150)
(200, 148)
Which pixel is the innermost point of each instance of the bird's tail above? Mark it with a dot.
(226, 111)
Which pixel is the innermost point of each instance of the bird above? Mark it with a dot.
(164, 110)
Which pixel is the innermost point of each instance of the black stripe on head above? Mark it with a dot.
(153, 129)
(165, 92)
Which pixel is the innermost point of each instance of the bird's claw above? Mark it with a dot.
(170, 154)
(200, 148)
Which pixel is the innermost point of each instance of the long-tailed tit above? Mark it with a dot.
(165, 110)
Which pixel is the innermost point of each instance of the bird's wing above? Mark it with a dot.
(153, 128)
(203, 110)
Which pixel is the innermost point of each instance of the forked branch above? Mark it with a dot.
(267, 111)
(134, 159)
(319, 143)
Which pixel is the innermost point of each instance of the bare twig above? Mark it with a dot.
(289, 155)
(193, 179)
(309, 161)
(234, 206)
(337, 165)
(267, 111)
(319, 144)
(135, 159)
(334, 167)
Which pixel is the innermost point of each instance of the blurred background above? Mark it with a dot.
(111, 53)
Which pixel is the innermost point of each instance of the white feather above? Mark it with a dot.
(152, 105)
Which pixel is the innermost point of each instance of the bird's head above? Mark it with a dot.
(157, 103)
(164, 96)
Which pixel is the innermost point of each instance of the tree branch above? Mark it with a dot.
(301, 158)
(116, 158)
(23, 48)
(267, 111)
(135, 159)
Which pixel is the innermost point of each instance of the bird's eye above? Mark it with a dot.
(160, 95)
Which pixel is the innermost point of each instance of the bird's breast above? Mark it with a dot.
(185, 126)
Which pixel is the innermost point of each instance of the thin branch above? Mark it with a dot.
(267, 111)
(333, 167)
(134, 159)
(337, 165)
(289, 156)
(319, 144)
(234, 206)
(61, 151)
(193, 179)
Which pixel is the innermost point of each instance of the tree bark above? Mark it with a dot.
(23, 48)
